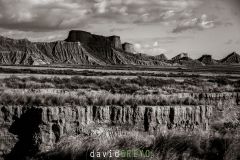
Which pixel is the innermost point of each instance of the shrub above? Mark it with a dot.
(162, 147)
(90, 98)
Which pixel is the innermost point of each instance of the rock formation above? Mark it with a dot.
(85, 48)
(40, 128)
(94, 40)
(79, 36)
(161, 57)
(20, 52)
(128, 47)
(185, 60)
(79, 48)
(231, 58)
(33, 129)
(207, 59)
(115, 42)
(180, 57)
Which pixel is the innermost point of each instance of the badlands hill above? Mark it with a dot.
(207, 59)
(79, 48)
(185, 60)
(85, 48)
(232, 58)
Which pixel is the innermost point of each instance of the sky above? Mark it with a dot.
(171, 27)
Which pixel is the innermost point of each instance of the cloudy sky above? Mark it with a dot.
(153, 26)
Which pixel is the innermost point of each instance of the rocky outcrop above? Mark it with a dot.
(155, 60)
(128, 47)
(161, 57)
(94, 40)
(231, 58)
(106, 50)
(184, 60)
(79, 36)
(207, 59)
(115, 42)
(180, 57)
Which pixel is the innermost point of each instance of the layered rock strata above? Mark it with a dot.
(29, 130)
(42, 127)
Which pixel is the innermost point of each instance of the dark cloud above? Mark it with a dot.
(235, 3)
(41, 15)
(47, 15)
(53, 15)
(146, 11)
(235, 6)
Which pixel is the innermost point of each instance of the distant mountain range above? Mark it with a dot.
(85, 48)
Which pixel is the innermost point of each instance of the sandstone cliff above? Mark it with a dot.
(127, 47)
(40, 128)
(32, 129)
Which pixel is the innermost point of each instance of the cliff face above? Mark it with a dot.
(94, 40)
(43, 127)
(34, 129)
(127, 47)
